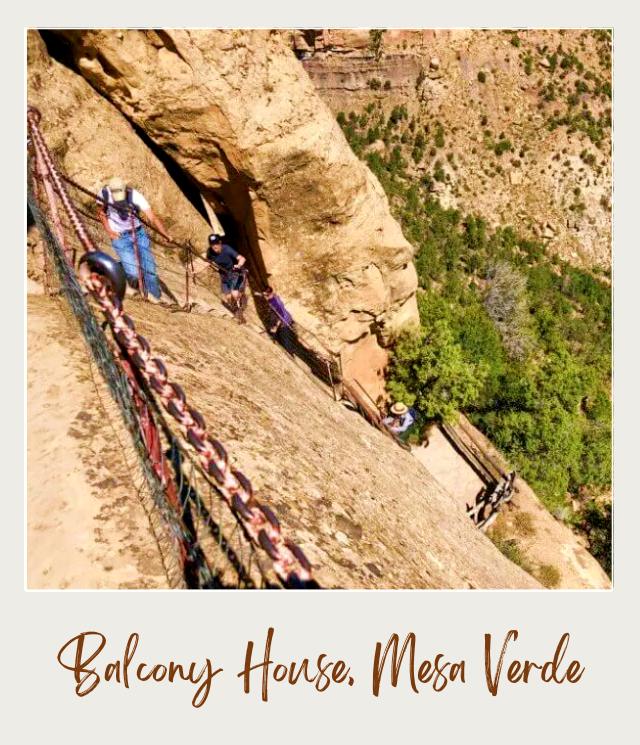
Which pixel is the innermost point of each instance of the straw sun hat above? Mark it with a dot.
(399, 409)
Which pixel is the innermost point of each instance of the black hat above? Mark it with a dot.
(215, 238)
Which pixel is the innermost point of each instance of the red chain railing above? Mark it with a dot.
(104, 278)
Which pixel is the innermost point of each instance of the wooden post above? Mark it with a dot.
(186, 282)
(333, 387)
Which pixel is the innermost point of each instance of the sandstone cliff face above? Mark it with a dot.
(237, 112)
(555, 184)
(92, 141)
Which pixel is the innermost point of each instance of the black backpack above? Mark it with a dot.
(122, 208)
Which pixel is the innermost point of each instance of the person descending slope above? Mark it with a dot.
(119, 207)
(281, 323)
(232, 277)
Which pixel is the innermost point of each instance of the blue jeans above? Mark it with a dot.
(123, 246)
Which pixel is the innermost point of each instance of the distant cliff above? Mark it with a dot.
(543, 98)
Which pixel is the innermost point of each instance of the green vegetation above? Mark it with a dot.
(509, 547)
(583, 121)
(548, 575)
(429, 370)
(376, 41)
(595, 521)
(518, 339)
(568, 79)
(482, 76)
(528, 64)
(502, 146)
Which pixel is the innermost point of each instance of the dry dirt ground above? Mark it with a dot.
(448, 468)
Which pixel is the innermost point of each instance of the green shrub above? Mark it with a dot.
(509, 547)
(548, 411)
(502, 147)
(528, 64)
(595, 521)
(428, 370)
(548, 575)
(376, 40)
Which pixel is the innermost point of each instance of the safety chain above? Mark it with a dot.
(104, 278)
(259, 521)
(190, 251)
(33, 119)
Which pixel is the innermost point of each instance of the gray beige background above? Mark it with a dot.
(38, 694)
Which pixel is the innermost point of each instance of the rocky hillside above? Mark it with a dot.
(513, 126)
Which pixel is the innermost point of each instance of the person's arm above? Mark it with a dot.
(157, 223)
(405, 423)
(240, 262)
(105, 221)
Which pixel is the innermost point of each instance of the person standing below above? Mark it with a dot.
(229, 263)
(281, 323)
(119, 206)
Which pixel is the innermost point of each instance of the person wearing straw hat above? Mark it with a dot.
(401, 418)
(119, 207)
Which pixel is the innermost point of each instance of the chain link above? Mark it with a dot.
(258, 520)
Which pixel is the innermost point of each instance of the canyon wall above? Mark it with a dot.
(239, 115)
(481, 87)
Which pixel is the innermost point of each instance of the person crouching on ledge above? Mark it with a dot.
(401, 418)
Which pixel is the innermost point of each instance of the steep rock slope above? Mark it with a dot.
(86, 521)
(542, 98)
(236, 111)
(366, 512)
